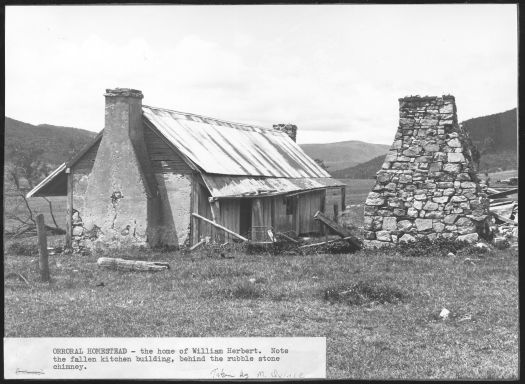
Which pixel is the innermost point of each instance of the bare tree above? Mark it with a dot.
(23, 170)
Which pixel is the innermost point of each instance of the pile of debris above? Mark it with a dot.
(337, 238)
(504, 212)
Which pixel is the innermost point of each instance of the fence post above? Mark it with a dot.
(42, 248)
(69, 210)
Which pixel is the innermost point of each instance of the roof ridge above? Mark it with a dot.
(235, 124)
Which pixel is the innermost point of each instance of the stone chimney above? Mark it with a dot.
(427, 186)
(121, 199)
(289, 129)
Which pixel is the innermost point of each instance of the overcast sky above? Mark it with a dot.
(336, 71)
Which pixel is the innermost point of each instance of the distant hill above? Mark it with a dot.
(494, 135)
(344, 154)
(499, 127)
(366, 170)
(58, 143)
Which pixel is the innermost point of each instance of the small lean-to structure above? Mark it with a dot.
(427, 186)
(149, 175)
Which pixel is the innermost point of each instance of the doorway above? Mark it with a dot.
(245, 219)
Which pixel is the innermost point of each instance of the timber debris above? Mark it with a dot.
(131, 265)
(338, 229)
(504, 212)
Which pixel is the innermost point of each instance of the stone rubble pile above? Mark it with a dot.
(427, 186)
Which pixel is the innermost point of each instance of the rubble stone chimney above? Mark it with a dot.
(289, 129)
(427, 186)
(121, 197)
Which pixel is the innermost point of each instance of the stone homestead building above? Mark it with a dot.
(427, 186)
(143, 176)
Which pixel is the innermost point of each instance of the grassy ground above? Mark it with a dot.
(357, 190)
(206, 295)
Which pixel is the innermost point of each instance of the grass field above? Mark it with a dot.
(204, 294)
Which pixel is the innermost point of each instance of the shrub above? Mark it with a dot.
(244, 290)
(337, 247)
(362, 292)
(426, 247)
(23, 249)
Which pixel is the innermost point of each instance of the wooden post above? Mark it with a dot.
(42, 248)
(215, 215)
(258, 215)
(69, 209)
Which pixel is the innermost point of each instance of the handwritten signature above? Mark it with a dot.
(220, 374)
(39, 372)
(217, 373)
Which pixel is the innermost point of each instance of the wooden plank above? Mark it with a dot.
(503, 193)
(69, 209)
(296, 214)
(349, 239)
(197, 245)
(286, 237)
(43, 261)
(340, 230)
(219, 227)
(322, 208)
(501, 200)
(273, 201)
(504, 219)
(257, 219)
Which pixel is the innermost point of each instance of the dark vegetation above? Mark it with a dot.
(495, 132)
(366, 170)
(363, 292)
(57, 144)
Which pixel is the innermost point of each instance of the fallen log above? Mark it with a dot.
(131, 265)
(337, 228)
(220, 227)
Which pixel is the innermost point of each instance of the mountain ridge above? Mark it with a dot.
(495, 136)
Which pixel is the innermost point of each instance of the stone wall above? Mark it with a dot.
(427, 186)
(175, 197)
(121, 203)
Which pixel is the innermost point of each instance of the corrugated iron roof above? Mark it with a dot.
(240, 186)
(227, 148)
